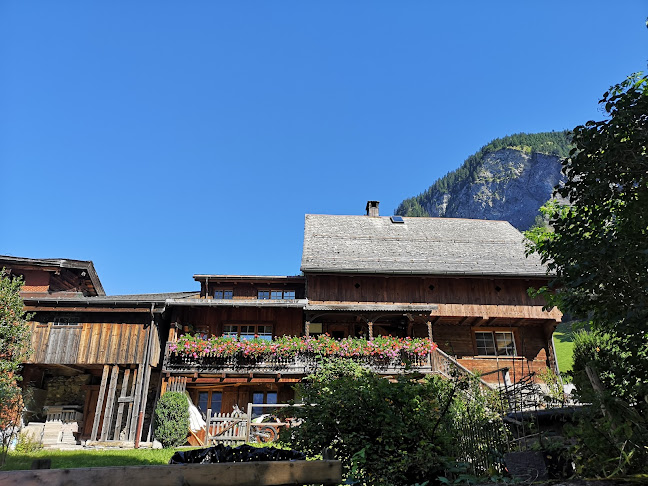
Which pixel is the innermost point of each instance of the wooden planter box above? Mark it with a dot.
(265, 473)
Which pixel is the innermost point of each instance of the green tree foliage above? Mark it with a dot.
(14, 350)
(553, 143)
(385, 433)
(599, 244)
(598, 249)
(172, 419)
(613, 432)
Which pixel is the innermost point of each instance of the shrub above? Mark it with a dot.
(27, 443)
(384, 432)
(172, 419)
(613, 431)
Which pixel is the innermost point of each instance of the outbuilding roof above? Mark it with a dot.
(421, 246)
(86, 266)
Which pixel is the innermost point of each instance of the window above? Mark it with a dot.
(248, 331)
(278, 294)
(263, 397)
(263, 294)
(66, 321)
(495, 343)
(209, 399)
(223, 294)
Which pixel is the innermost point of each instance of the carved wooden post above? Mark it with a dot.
(370, 324)
(429, 326)
(307, 328)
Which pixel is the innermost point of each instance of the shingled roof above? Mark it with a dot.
(429, 246)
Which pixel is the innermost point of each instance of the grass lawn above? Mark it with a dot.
(564, 343)
(90, 458)
(101, 457)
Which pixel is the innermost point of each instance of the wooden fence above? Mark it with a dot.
(235, 427)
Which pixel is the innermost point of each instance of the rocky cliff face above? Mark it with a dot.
(509, 185)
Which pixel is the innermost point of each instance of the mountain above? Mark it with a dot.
(507, 179)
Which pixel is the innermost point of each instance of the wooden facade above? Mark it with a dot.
(119, 345)
(210, 320)
(116, 349)
(90, 344)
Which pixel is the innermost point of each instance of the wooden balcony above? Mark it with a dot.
(436, 362)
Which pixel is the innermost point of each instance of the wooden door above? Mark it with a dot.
(89, 409)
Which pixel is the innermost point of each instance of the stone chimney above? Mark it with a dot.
(372, 208)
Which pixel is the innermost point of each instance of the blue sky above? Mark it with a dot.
(161, 139)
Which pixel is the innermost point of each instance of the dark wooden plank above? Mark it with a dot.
(232, 474)
(136, 403)
(118, 345)
(110, 403)
(100, 399)
(120, 409)
(129, 413)
(88, 309)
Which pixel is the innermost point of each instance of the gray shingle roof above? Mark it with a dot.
(430, 246)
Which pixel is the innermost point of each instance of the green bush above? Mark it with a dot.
(384, 432)
(613, 432)
(172, 419)
(27, 443)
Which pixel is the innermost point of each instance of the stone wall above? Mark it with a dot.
(66, 390)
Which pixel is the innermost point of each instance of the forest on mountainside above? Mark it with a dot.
(551, 143)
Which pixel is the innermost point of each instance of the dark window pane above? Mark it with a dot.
(66, 321)
(230, 331)
(218, 294)
(485, 343)
(257, 397)
(228, 294)
(203, 398)
(505, 343)
(216, 402)
(265, 332)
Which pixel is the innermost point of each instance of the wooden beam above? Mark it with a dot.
(122, 399)
(110, 402)
(129, 413)
(135, 411)
(100, 400)
(31, 308)
(75, 368)
(264, 473)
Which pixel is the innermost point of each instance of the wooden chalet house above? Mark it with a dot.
(95, 359)
(462, 283)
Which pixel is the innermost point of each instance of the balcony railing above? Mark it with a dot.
(435, 362)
